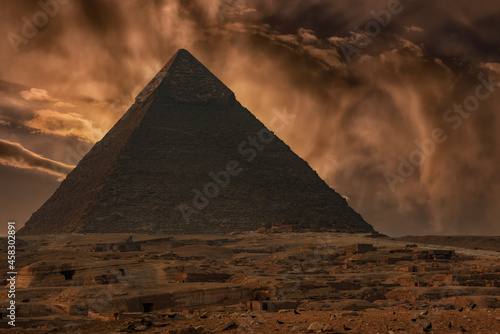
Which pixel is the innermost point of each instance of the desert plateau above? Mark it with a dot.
(266, 281)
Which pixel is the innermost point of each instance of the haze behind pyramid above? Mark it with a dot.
(184, 125)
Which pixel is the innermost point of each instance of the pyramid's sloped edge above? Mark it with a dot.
(62, 212)
(147, 92)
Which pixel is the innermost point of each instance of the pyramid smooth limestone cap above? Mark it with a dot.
(184, 78)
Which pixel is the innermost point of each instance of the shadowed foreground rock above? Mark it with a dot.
(188, 158)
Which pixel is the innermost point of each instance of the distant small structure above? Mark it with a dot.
(359, 248)
(127, 247)
(435, 254)
(441, 280)
(161, 246)
(271, 306)
(442, 254)
(388, 260)
(393, 260)
(430, 269)
(201, 277)
(98, 248)
(409, 269)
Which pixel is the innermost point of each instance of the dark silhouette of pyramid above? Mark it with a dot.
(187, 158)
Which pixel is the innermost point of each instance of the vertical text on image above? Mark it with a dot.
(11, 274)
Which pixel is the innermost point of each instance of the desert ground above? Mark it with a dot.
(254, 282)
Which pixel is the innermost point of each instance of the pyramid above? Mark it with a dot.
(187, 158)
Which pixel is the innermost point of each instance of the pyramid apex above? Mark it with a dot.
(184, 78)
(183, 51)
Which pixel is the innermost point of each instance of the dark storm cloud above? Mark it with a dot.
(36, 111)
(14, 155)
(351, 122)
(13, 115)
(102, 16)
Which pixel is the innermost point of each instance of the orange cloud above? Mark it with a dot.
(65, 125)
(15, 155)
(35, 94)
(62, 104)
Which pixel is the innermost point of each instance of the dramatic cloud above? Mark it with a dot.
(36, 95)
(14, 155)
(352, 121)
(33, 111)
(59, 124)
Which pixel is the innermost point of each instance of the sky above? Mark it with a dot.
(393, 103)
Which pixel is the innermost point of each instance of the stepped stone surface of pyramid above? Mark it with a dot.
(149, 173)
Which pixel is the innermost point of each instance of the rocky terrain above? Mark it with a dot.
(253, 282)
